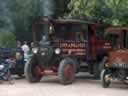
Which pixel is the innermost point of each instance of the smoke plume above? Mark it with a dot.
(47, 7)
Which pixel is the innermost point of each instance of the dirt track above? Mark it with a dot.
(83, 86)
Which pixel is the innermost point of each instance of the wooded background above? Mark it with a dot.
(16, 16)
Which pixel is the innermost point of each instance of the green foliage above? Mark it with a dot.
(7, 39)
(17, 16)
(23, 13)
(113, 12)
(61, 7)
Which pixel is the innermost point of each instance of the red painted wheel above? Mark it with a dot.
(66, 71)
(32, 71)
(37, 71)
(69, 72)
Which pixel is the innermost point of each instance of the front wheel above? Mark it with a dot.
(105, 78)
(32, 71)
(66, 71)
(98, 67)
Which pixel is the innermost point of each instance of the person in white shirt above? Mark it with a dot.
(25, 47)
(26, 50)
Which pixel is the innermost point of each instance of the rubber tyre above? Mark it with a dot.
(29, 71)
(98, 67)
(105, 84)
(61, 71)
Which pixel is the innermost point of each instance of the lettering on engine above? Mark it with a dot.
(78, 49)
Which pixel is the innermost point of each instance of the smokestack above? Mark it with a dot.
(47, 8)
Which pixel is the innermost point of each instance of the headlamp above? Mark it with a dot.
(57, 50)
(1, 67)
(34, 50)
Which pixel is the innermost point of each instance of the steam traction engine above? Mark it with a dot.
(65, 47)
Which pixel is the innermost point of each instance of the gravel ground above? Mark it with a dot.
(49, 86)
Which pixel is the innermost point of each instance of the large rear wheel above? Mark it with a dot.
(32, 71)
(66, 71)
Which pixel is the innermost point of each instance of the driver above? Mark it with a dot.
(51, 32)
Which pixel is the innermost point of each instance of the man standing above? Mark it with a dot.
(26, 50)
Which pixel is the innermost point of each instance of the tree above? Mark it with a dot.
(61, 7)
(7, 39)
(17, 16)
(6, 23)
(24, 13)
(107, 10)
